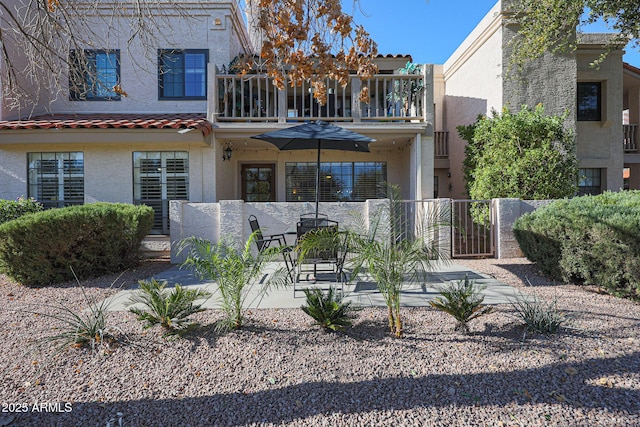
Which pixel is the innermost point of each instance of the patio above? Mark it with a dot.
(361, 291)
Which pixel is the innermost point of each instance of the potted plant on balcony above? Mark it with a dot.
(404, 94)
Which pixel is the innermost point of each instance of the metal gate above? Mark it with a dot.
(471, 228)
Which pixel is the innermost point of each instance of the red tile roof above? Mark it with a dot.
(113, 121)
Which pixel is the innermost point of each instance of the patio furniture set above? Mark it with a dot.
(320, 265)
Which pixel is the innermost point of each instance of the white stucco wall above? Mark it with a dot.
(108, 165)
(228, 173)
(214, 25)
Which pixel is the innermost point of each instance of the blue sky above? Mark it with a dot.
(429, 30)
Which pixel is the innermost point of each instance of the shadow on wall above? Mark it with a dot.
(460, 110)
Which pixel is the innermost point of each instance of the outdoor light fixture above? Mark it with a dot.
(227, 153)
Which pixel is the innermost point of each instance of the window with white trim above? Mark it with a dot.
(158, 177)
(56, 179)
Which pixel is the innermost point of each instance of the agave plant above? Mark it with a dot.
(328, 310)
(463, 301)
(539, 316)
(235, 271)
(168, 308)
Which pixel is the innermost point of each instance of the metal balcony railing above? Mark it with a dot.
(254, 98)
(630, 138)
(441, 144)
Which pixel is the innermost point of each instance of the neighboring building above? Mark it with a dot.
(183, 130)
(631, 120)
(474, 82)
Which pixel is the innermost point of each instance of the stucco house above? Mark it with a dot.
(183, 130)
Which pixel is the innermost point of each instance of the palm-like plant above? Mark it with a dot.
(463, 301)
(395, 249)
(234, 270)
(328, 310)
(168, 308)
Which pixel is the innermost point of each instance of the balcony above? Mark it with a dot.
(254, 98)
(630, 140)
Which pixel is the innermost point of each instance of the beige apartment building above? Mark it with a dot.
(183, 130)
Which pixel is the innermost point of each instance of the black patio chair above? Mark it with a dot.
(327, 257)
(327, 254)
(312, 215)
(266, 241)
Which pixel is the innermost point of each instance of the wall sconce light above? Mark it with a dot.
(449, 174)
(226, 155)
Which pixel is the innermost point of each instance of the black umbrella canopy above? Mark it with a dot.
(317, 136)
(307, 136)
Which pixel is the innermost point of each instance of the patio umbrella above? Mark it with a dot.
(317, 135)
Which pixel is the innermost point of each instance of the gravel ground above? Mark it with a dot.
(281, 370)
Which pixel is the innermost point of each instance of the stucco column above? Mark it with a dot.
(507, 211)
(232, 221)
(427, 164)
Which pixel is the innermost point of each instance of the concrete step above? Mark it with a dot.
(156, 246)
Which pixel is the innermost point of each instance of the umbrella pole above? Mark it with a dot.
(318, 180)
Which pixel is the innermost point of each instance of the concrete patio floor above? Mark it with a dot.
(361, 291)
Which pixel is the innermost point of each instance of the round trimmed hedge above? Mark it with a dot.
(44, 247)
(592, 240)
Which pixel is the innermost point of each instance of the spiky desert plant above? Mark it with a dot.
(169, 308)
(463, 301)
(79, 328)
(328, 309)
(539, 316)
(87, 327)
(235, 271)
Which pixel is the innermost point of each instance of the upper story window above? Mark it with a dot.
(589, 101)
(182, 74)
(94, 75)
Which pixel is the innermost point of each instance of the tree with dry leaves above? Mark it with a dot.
(312, 41)
(42, 42)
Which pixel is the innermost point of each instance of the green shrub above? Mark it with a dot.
(12, 209)
(592, 240)
(95, 239)
(168, 308)
(328, 310)
(462, 301)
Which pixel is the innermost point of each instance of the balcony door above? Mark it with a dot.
(259, 182)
